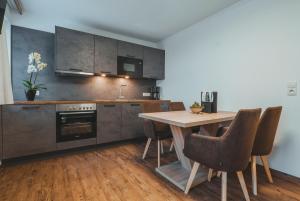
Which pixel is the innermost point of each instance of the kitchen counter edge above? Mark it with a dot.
(84, 101)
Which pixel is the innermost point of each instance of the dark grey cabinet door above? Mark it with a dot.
(131, 50)
(109, 118)
(74, 50)
(1, 132)
(154, 63)
(106, 55)
(132, 125)
(28, 129)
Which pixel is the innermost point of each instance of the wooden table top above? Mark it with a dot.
(187, 119)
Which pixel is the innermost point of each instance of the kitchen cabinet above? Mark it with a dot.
(28, 129)
(154, 63)
(1, 144)
(131, 50)
(106, 55)
(132, 125)
(109, 117)
(74, 50)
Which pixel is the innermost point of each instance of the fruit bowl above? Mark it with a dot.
(196, 108)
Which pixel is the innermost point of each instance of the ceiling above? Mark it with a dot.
(150, 20)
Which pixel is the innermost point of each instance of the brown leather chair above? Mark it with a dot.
(155, 130)
(176, 106)
(228, 153)
(263, 143)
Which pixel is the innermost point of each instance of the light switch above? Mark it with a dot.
(292, 89)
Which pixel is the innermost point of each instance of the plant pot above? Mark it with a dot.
(30, 95)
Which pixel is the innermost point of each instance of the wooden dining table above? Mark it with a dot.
(181, 123)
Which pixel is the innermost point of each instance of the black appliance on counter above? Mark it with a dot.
(209, 100)
(129, 66)
(2, 12)
(155, 93)
(75, 121)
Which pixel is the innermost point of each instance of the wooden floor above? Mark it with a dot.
(117, 172)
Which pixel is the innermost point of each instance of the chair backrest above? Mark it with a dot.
(155, 107)
(176, 106)
(238, 141)
(266, 131)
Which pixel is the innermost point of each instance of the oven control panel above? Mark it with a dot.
(76, 107)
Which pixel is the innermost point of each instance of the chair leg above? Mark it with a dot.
(224, 186)
(243, 185)
(254, 175)
(158, 153)
(146, 147)
(162, 146)
(172, 145)
(265, 162)
(210, 173)
(192, 177)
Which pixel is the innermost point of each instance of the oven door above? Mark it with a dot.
(75, 125)
(130, 67)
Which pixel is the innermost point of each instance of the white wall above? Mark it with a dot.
(30, 21)
(248, 53)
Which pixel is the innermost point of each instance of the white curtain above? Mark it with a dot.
(6, 95)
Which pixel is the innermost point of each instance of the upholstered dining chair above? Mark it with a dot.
(228, 153)
(263, 143)
(176, 106)
(155, 130)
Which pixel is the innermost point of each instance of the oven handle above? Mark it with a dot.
(67, 113)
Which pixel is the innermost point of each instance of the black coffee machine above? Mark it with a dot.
(209, 100)
(155, 93)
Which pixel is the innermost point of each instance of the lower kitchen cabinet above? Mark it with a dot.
(1, 132)
(28, 129)
(109, 117)
(132, 125)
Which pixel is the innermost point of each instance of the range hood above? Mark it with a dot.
(73, 72)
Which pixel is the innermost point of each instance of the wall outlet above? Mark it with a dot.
(37, 93)
(146, 94)
(292, 89)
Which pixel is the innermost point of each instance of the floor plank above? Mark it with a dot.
(117, 173)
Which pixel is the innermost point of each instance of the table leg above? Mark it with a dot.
(178, 137)
(178, 172)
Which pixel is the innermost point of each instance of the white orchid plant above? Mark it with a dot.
(34, 67)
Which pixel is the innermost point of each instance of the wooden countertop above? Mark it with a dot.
(187, 119)
(48, 102)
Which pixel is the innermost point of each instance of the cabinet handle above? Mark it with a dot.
(109, 105)
(106, 72)
(31, 107)
(130, 56)
(75, 69)
(135, 104)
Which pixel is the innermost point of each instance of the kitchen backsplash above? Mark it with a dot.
(25, 41)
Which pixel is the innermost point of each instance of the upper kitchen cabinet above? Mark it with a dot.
(131, 50)
(106, 51)
(74, 51)
(154, 63)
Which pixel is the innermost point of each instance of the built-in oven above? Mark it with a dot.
(75, 121)
(130, 67)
